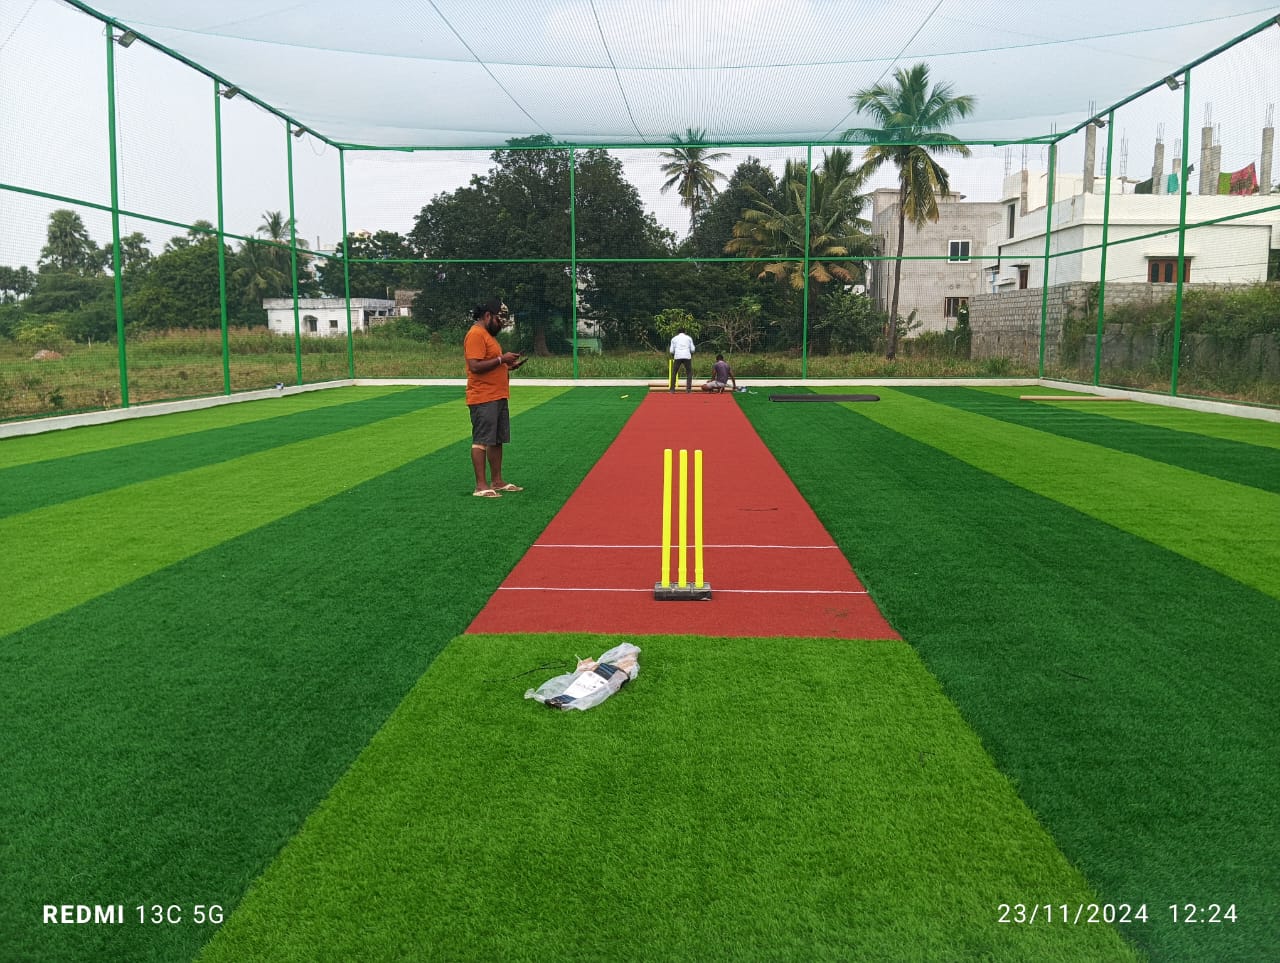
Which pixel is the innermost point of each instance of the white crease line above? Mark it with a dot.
(549, 588)
(659, 547)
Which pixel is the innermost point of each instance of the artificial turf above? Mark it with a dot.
(1234, 461)
(53, 480)
(79, 549)
(748, 799)
(85, 439)
(1228, 526)
(1251, 431)
(160, 741)
(1128, 690)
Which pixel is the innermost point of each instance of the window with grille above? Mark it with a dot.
(1163, 270)
(957, 251)
(951, 307)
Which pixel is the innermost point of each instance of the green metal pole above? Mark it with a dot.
(1182, 233)
(346, 262)
(1048, 238)
(1102, 276)
(808, 211)
(293, 256)
(115, 217)
(222, 253)
(573, 257)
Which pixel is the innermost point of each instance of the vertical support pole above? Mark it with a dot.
(222, 244)
(573, 256)
(684, 518)
(117, 267)
(697, 520)
(808, 213)
(1048, 239)
(346, 261)
(1182, 235)
(1102, 275)
(293, 256)
(666, 518)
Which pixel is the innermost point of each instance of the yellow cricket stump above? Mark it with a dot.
(700, 590)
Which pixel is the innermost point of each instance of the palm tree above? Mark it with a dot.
(68, 246)
(912, 117)
(837, 233)
(256, 274)
(690, 170)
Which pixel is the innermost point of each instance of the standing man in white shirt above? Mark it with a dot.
(681, 352)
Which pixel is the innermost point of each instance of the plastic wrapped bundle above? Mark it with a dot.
(592, 682)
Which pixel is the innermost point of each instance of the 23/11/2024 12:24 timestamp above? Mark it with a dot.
(1112, 913)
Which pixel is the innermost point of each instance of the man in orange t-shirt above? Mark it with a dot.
(488, 367)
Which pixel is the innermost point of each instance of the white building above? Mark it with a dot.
(1235, 248)
(948, 252)
(327, 317)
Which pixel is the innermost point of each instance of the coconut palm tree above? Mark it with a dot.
(911, 117)
(837, 232)
(68, 246)
(689, 169)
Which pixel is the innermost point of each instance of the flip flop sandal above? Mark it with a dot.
(486, 493)
(508, 487)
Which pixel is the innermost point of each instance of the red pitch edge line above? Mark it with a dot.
(656, 547)
(741, 591)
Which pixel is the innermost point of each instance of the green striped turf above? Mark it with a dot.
(1250, 431)
(61, 443)
(1225, 525)
(80, 549)
(38, 484)
(161, 741)
(1129, 692)
(1234, 461)
(743, 799)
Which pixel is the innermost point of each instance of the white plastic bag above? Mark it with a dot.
(592, 682)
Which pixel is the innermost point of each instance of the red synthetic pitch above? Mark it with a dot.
(773, 569)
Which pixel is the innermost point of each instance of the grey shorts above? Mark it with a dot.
(490, 423)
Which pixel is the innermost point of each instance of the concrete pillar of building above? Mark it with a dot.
(1157, 169)
(1022, 194)
(1207, 185)
(1268, 146)
(1090, 156)
(1215, 168)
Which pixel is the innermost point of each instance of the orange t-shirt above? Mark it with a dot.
(493, 385)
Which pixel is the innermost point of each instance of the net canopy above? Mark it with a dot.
(477, 73)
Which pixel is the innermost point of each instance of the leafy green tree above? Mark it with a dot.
(835, 232)
(16, 283)
(134, 253)
(68, 246)
(376, 280)
(81, 307)
(255, 274)
(520, 209)
(749, 181)
(281, 231)
(200, 230)
(912, 116)
(690, 171)
(181, 288)
(849, 322)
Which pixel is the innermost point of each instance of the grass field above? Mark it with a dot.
(233, 674)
